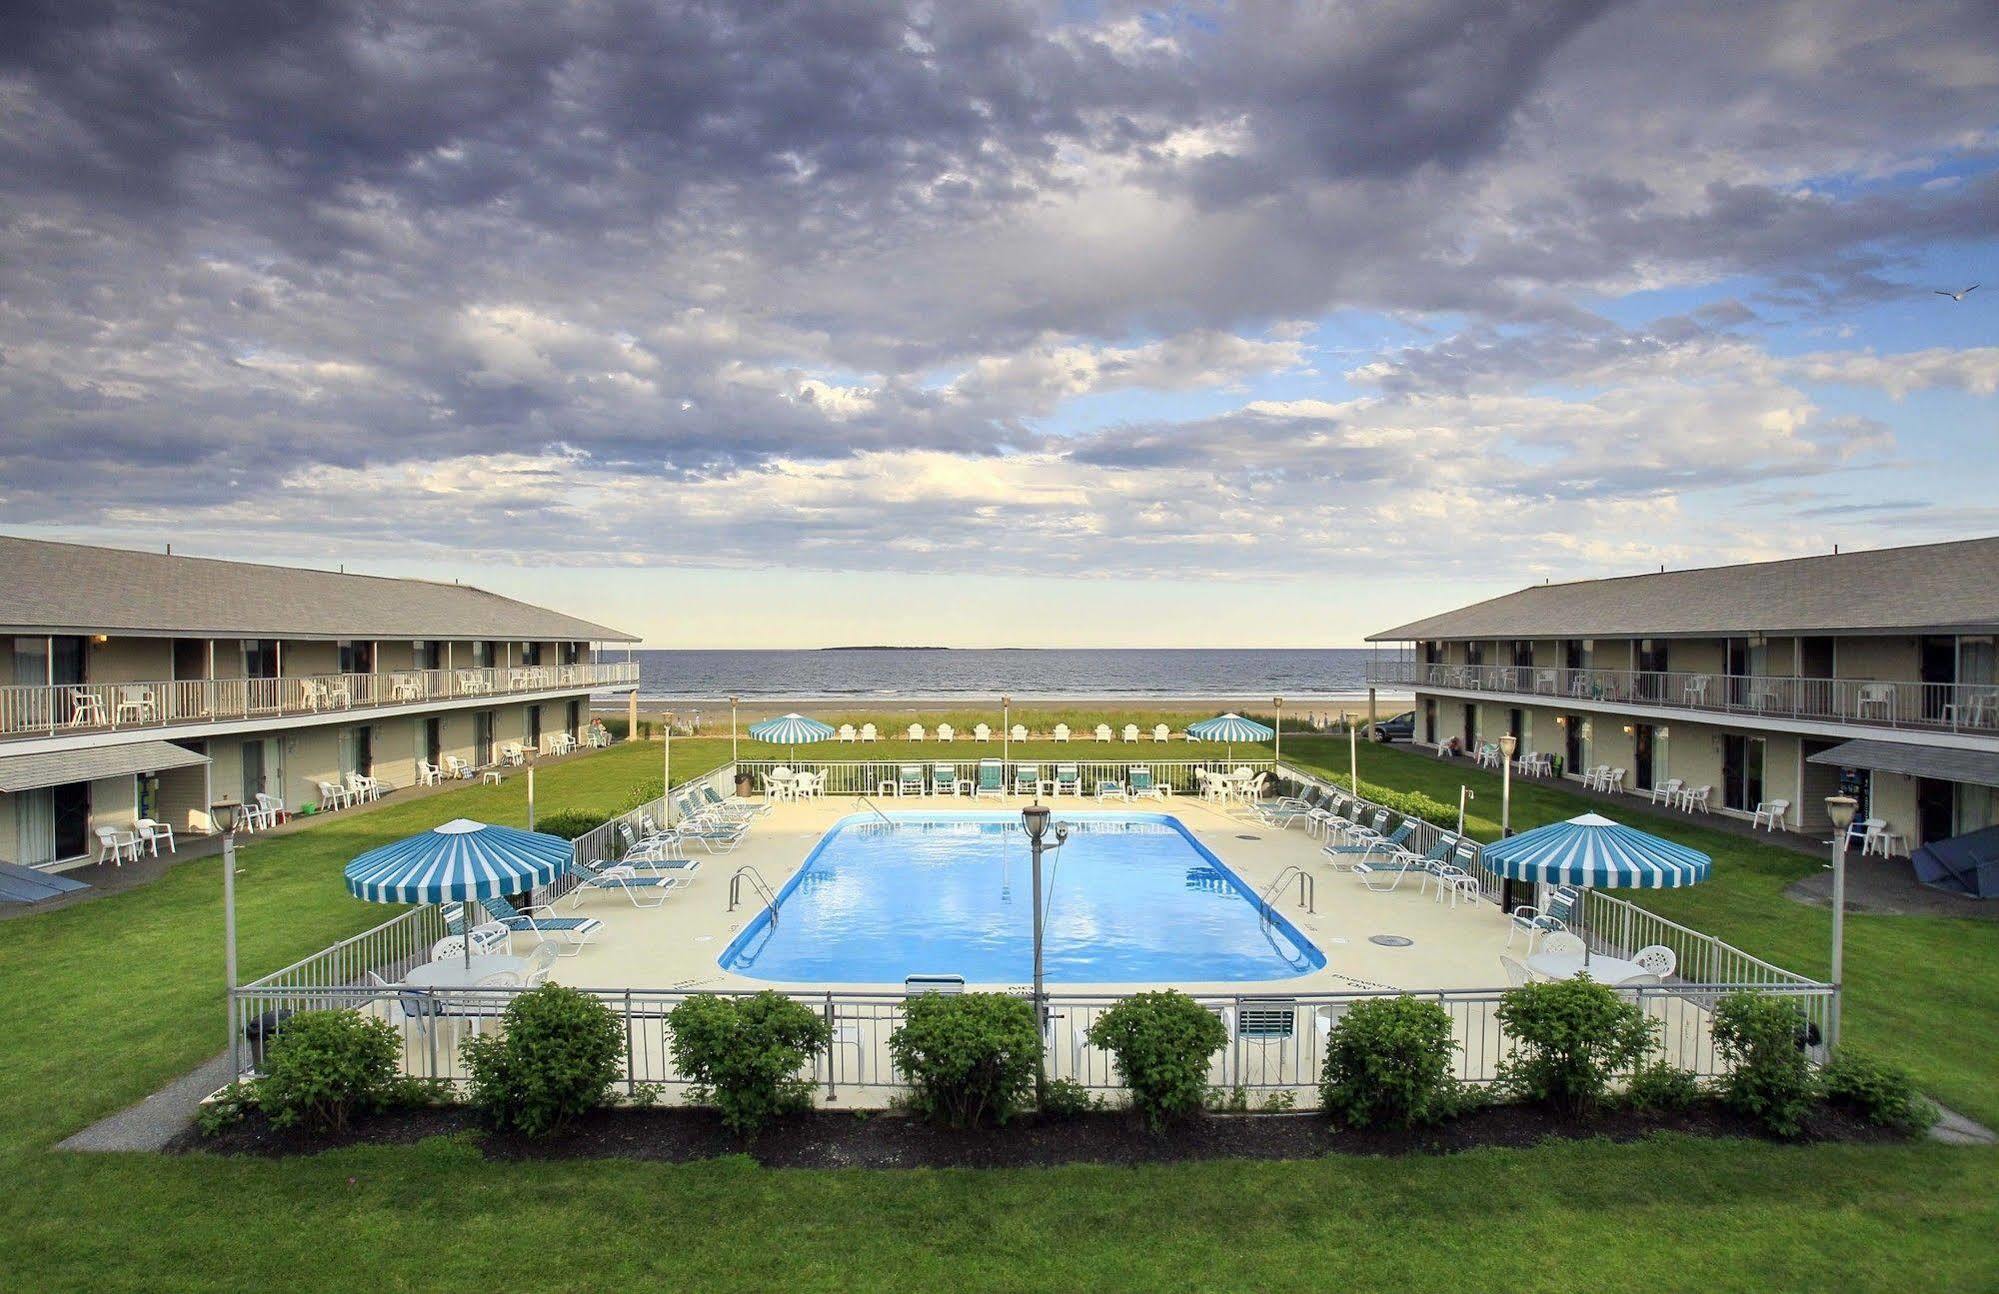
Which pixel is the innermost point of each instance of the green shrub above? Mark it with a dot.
(556, 1057)
(322, 1067)
(1769, 1079)
(1570, 1038)
(745, 1054)
(1875, 1090)
(1388, 1060)
(568, 824)
(1162, 1043)
(969, 1056)
(1065, 1098)
(226, 1109)
(1662, 1088)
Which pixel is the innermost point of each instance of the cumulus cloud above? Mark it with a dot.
(830, 271)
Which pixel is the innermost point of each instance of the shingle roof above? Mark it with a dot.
(1927, 586)
(57, 587)
(28, 772)
(1945, 763)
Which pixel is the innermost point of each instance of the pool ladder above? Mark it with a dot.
(758, 887)
(874, 809)
(1307, 893)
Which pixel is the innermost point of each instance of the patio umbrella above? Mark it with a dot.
(1592, 852)
(1229, 728)
(790, 730)
(459, 861)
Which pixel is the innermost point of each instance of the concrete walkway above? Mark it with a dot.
(156, 1121)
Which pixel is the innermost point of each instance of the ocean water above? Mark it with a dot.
(893, 673)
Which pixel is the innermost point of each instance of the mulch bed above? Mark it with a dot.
(836, 1139)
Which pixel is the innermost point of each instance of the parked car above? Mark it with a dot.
(1401, 727)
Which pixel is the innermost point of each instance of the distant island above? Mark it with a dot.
(884, 647)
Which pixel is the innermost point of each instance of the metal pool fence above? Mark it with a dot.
(1276, 1042)
(881, 776)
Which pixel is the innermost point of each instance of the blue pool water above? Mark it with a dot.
(1131, 898)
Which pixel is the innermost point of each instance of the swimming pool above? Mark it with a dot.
(1131, 898)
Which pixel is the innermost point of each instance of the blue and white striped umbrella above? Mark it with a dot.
(790, 730)
(1591, 850)
(1230, 728)
(461, 860)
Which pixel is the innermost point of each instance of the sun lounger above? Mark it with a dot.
(541, 921)
(992, 779)
(593, 878)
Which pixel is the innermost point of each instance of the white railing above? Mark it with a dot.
(882, 776)
(603, 842)
(40, 710)
(1875, 703)
(1277, 1041)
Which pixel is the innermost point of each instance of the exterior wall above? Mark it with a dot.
(1882, 659)
(310, 658)
(1892, 798)
(128, 660)
(9, 829)
(1697, 656)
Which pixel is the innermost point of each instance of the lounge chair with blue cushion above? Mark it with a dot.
(944, 779)
(1551, 918)
(1068, 780)
(1109, 790)
(541, 921)
(911, 780)
(600, 876)
(1144, 787)
(707, 797)
(1027, 779)
(992, 779)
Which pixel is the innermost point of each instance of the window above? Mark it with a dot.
(572, 653)
(1977, 807)
(260, 658)
(530, 653)
(357, 656)
(427, 655)
(357, 750)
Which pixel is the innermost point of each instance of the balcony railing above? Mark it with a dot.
(36, 710)
(1925, 707)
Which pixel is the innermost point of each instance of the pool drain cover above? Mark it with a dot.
(1249, 837)
(1391, 941)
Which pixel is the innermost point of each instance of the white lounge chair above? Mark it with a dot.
(867, 732)
(1131, 732)
(1103, 732)
(1537, 923)
(1061, 732)
(1019, 732)
(1027, 779)
(946, 733)
(600, 877)
(944, 779)
(1068, 780)
(916, 732)
(1161, 733)
(980, 732)
(541, 921)
(846, 732)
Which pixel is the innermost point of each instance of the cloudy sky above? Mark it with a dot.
(1000, 323)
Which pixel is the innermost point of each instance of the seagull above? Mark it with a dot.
(1956, 296)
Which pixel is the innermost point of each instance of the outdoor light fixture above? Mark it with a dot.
(1507, 745)
(1034, 818)
(1841, 809)
(1627, 730)
(224, 818)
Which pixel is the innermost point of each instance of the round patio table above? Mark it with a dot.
(1604, 970)
(455, 972)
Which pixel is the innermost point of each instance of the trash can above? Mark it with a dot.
(259, 1030)
(743, 786)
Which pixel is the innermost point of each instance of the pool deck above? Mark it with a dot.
(677, 946)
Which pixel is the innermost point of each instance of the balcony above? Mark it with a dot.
(1968, 708)
(89, 708)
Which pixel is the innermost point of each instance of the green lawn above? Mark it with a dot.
(1924, 990)
(105, 1001)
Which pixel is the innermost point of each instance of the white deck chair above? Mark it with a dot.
(1103, 732)
(980, 732)
(846, 732)
(1668, 791)
(1019, 732)
(1131, 732)
(1770, 813)
(946, 733)
(867, 732)
(1161, 733)
(1061, 732)
(916, 732)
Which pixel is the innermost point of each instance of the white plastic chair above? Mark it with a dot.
(1657, 959)
(1160, 732)
(1131, 732)
(1019, 732)
(980, 732)
(916, 732)
(1061, 732)
(1770, 813)
(846, 732)
(332, 796)
(113, 844)
(946, 733)
(1103, 732)
(1667, 792)
(867, 732)
(151, 832)
(1696, 798)
(1517, 973)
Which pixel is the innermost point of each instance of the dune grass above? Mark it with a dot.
(107, 1000)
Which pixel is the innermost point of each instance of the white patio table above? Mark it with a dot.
(459, 972)
(1604, 970)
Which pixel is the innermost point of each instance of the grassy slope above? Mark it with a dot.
(105, 1001)
(1922, 989)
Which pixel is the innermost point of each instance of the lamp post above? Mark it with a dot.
(1840, 808)
(666, 767)
(530, 757)
(1464, 793)
(1006, 729)
(224, 817)
(1277, 732)
(1507, 745)
(732, 728)
(1035, 818)
(1353, 757)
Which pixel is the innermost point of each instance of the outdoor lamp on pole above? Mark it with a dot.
(530, 758)
(224, 817)
(1840, 808)
(1006, 730)
(732, 728)
(1277, 730)
(666, 767)
(1507, 745)
(1035, 818)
